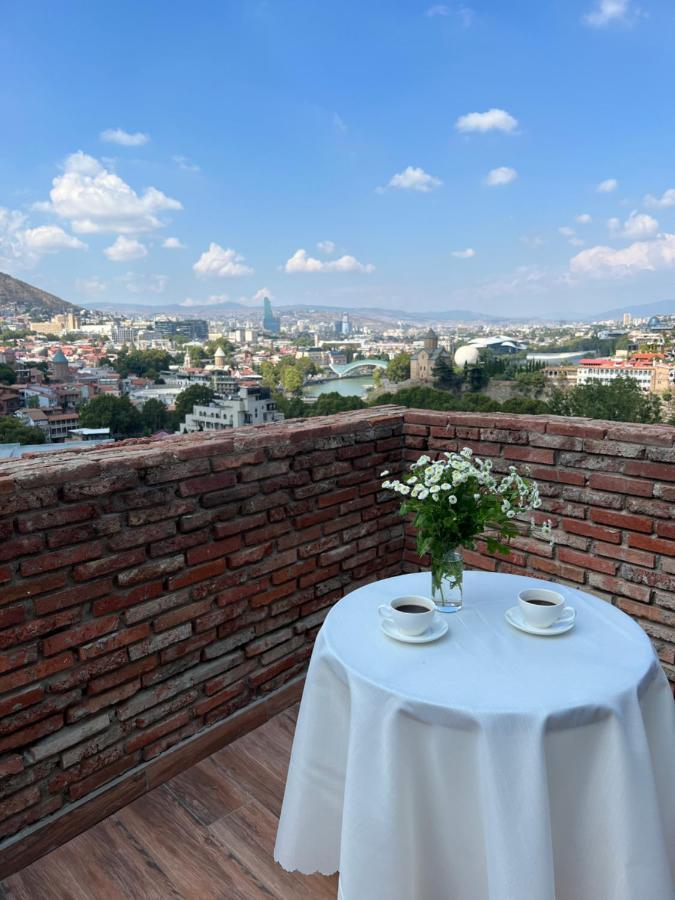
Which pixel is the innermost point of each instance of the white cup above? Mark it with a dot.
(542, 608)
(411, 623)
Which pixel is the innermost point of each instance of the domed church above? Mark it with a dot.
(422, 362)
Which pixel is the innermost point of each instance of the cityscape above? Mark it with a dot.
(84, 375)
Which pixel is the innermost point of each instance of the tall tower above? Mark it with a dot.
(186, 360)
(431, 341)
(270, 321)
(60, 368)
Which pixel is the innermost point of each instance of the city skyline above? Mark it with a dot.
(351, 158)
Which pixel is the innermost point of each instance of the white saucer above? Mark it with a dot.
(437, 629)
(514, 617)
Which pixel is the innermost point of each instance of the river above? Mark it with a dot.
(356, 387)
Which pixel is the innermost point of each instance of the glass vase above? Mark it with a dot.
(447, 573)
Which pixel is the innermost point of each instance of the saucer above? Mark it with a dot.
(437, 629)
(514, 617)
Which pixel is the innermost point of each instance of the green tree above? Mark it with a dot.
(116, 413)
(332, 402)
(32, 402)
(7, 374)
(476, 377)
(530, 383)
(620, 401)
(13, 431)
(155, 416)
(292, 380)
(196, 395)
(144, 363)
(445, 377)
(398, 368)
(291, 407)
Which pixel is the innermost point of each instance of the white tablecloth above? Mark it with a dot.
(490, 765)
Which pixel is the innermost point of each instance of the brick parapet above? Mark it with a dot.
(150, 589)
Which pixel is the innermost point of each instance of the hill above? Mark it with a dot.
(639, 311)
(30, 300)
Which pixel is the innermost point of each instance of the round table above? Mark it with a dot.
(489, 765)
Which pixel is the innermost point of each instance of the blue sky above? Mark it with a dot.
(401, 154)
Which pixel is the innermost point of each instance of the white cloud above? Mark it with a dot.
(492, 120)
(213, 300)
(125, 249)
(300, 262)
(326, 247)
(138, 284)
(93, 286)
(261, 293)
(584, 219)
(464, 254)
(173, 243)
(566, 231)
(339, 124)
(464, 13)
(414, 179)
(48, 238)
(532, 240)
(608, 12)
(124, 138)
(607, 186)
(185, 164)
(221, 263)
(439, 9)
(639, 225)
(96, 201)
(642, 256)
(577, 242)
(500, 176)
(664, 201)
(22, 247)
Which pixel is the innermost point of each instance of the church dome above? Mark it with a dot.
(59, 357)
(219, 355)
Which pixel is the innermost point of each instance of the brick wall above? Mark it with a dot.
(149, 590)
(608, 489)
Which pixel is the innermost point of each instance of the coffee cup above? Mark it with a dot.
(410, 615)
(543, 608)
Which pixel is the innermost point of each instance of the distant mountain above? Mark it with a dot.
(30, 300)
(658, 308)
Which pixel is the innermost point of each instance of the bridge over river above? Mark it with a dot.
(358, 367)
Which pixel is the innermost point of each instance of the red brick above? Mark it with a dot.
(126, 673)
(46, 562)
(645, 611)
(213, 550)
(35, 673)
(103, 485)
(608, 535)
(20, 801)
(337, 497)
(559, 569)
(239, 525)
(81, 634)
(22, 657)
(155, 569)
(166, 511)
(109, 563)
(21, 546)
(530, 454)
(141, 738)
(114, 641)
(87, 785)
(16, 702)
(665, 529)
(657, 471)
(27, 817)
(619, 587)
(37, 627)
(622, 520)
(12, 615)
(72, 596)
(144, 534)
(197, 574)
(177, 472)
(159, 641)
(64, 515)
(11, 764)
(586, 560)
(620, 484)
(32, 587)
(182, 614)
(31, 734)
(135, 596)
(92, 705)
(624, 554)
(654, 545)
(202, 485)
(180, 542)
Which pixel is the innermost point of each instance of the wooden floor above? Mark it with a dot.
(208, 833)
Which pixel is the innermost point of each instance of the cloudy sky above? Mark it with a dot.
(501, 157)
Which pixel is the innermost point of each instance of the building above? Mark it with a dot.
(248, 406)
(193, 329)
(652, 375)
(57, 325)
(271, 322)
(59, 366)
(343, 326)
(10, 400)
(124, 334)
(54, 423)
(423, 362)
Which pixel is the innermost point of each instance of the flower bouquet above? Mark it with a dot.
(456, 500)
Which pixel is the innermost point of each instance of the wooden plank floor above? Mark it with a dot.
(208, 833)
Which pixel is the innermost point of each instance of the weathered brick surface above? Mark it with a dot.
(149, 592)
(153, 591)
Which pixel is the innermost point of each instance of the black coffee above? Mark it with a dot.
(412, 608)
(541, 602)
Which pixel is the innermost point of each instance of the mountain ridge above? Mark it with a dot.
(27, 298)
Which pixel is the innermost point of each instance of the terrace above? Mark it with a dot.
(159, 603)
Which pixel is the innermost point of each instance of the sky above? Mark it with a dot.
(506, 158)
